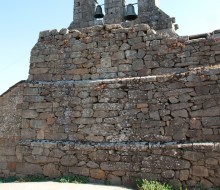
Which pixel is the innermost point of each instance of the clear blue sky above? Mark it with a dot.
(21, 22)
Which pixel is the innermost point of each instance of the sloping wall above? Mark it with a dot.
(10, 127)
(115, 103)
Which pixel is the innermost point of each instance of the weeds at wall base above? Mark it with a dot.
(155, 185)
(40, 178)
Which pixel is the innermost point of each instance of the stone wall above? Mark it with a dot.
(10, 127)
(189, 164)
(110, 51)
(154, 109)
(115, 103)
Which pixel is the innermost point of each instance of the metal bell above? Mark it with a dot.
(130, 13)
(98, 12)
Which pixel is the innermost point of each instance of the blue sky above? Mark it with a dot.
(21, 22)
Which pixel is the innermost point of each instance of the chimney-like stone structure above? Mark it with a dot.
(114, 11)
(83, 13)
(148, 13)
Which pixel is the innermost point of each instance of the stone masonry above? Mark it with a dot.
(83, 13)
(116, 103)
(148, 13)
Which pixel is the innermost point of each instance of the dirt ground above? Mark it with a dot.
(56, 186)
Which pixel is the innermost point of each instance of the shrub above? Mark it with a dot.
(152, 185)
(73, 179)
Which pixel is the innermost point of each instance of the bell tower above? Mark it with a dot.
(114, 11)
(83, 13)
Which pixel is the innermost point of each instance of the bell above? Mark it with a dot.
(130, 13)
(98, 12)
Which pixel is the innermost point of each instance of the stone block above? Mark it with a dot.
(184, 175)
(165, 162)
(38, 159)
(92, 164)
(100, 114)
(29, 114)
(40, 105)
(154, 115)
(102, 129)
(180, 106)
(68, 160)
(131, 54)
(84, 121)
(200, 171)
(77, 71)
(37, 151)
(99, 156)
(168, 174)
(193, 156)
(211, 161)
(30, 91)
(97, 174)
(79, 171)
(180, 113)
(7, 150)
(142, 105)
(124, 47)
(38, 124)
(3, 165)
(75, 54)
(138, 64)
(124, 68)
(195, 123)
(210, 121)
(28, 169)
(37, 59)
(210, 112)
(217, 58)
(11, 166)
(51, 171)
(107, 106)
(144, 72)
(115, 180)
(136, 40)
(42, 77)
(38, 71)
(87, 113)
(95, 138)
(118, 55)
(113, 166)
(106, 62)
(107, 70)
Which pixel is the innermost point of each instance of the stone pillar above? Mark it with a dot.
(83, 13)
(150, 13)
(114, 11)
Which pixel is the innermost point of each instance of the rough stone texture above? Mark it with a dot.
(100, 104)
(83, 11)
(115, 10)
(150, 13)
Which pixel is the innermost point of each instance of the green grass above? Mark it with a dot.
(152, 185)
(72, 179)
(155, 185)
(64, 179)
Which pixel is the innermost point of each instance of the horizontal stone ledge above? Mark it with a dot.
(85, 83)
(122, 146)
(157, 77)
